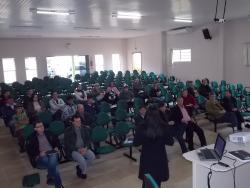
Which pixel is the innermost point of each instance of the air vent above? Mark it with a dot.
(86, 28)
(29, 36)
(90, 36)
(26, 26)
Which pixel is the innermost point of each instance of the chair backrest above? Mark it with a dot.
(105, 107)
(57, 127)
(150, 182)
(120, 114)
(102, 119)
(27, 131)
(45, 117)
(99, 134)
(122, 128)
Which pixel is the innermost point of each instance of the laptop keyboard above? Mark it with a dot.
(208, 154)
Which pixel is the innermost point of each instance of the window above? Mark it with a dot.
(137, 61)
(60, 66)
(99, 63)
(30, 68)
(183, 55)
(9, 70)
(80, 66)
(116, 63)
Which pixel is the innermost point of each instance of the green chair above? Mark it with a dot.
(103, 119)
(27, 131)
(57, 127)
(150, 182)
(99, 135)
(105, 107)
(45, 117)
(120, 133)
(121, 114)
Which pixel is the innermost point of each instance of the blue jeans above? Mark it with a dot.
(83, 161)
(50, 162)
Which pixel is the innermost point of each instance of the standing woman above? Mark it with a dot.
(153, 137)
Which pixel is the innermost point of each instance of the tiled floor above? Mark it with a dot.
(110, 171)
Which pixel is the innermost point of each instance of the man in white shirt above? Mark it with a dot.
(57, 106)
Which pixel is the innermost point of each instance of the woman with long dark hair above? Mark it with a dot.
(153, 137)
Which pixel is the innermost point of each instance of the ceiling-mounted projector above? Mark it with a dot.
(220, 20)
(217, 20)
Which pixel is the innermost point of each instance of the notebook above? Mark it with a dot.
(213, 154)
(241, 155)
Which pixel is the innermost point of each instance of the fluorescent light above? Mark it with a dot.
(183, 20)
(52, 12)
(128, 15)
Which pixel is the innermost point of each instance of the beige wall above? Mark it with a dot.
(42, 48)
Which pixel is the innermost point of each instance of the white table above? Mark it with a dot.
(222, 177)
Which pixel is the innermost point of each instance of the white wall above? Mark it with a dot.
(151, 48)
(207, 55)
(42, 48)
(236, 34)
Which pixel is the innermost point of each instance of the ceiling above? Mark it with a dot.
(92, 18)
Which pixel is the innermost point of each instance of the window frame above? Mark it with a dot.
(103, 66)
(119, 58)
(14, 70)
(29, 68)
(139, 52)
(181, 58)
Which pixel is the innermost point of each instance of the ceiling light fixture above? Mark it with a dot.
(127, 15)
(183, 20)
(52, 12)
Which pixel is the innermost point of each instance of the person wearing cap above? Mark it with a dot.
(175, 130)
(21, 120)
(218, 113)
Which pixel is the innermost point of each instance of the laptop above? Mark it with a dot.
(213, 154)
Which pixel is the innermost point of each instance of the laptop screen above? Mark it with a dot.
(219, 146)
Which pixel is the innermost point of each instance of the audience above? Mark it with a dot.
(175, 130)
(86, 118)
(230, 105)
(189, 102)
(28, 98)
(112, 94)
(70, 109)
(57, 106)
(180, 116)
(42, 149)
(127, 96)
(138, 88)
(97, 92)
(155, 91)
(20, 121)
(77, 142)
(8, 111)
(218, 113)
(80, 94)
(91, 106)
(153, 137)
(140, 117)
(34, 106)
(204, 89)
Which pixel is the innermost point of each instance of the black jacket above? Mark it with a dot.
(176, 115)
(33, 145)
(70, 139)
(139, 121)
(229, 103)
(153, 158)
(204, 90)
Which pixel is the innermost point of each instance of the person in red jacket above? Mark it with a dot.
(189, 102)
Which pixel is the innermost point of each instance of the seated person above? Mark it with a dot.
(181, 118)
(8, 111)
(39, 148)
(204, 89)
(91, 106)
(35, 106)
(86, 118)
(138, 89)
(218, 113)
(21, 120)
(69, 110)
(230, 105)
(97, 92)
(77, 142)
(140, 117)
(127, 96)
(189, 102)
(155, 94)
(112, 94)
(175, 130)
(28, 98)
(56, 106)
(80, 94)
(4, 97)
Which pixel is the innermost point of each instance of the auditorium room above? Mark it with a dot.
(124, 93)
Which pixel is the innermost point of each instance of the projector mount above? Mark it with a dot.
(220, 20)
